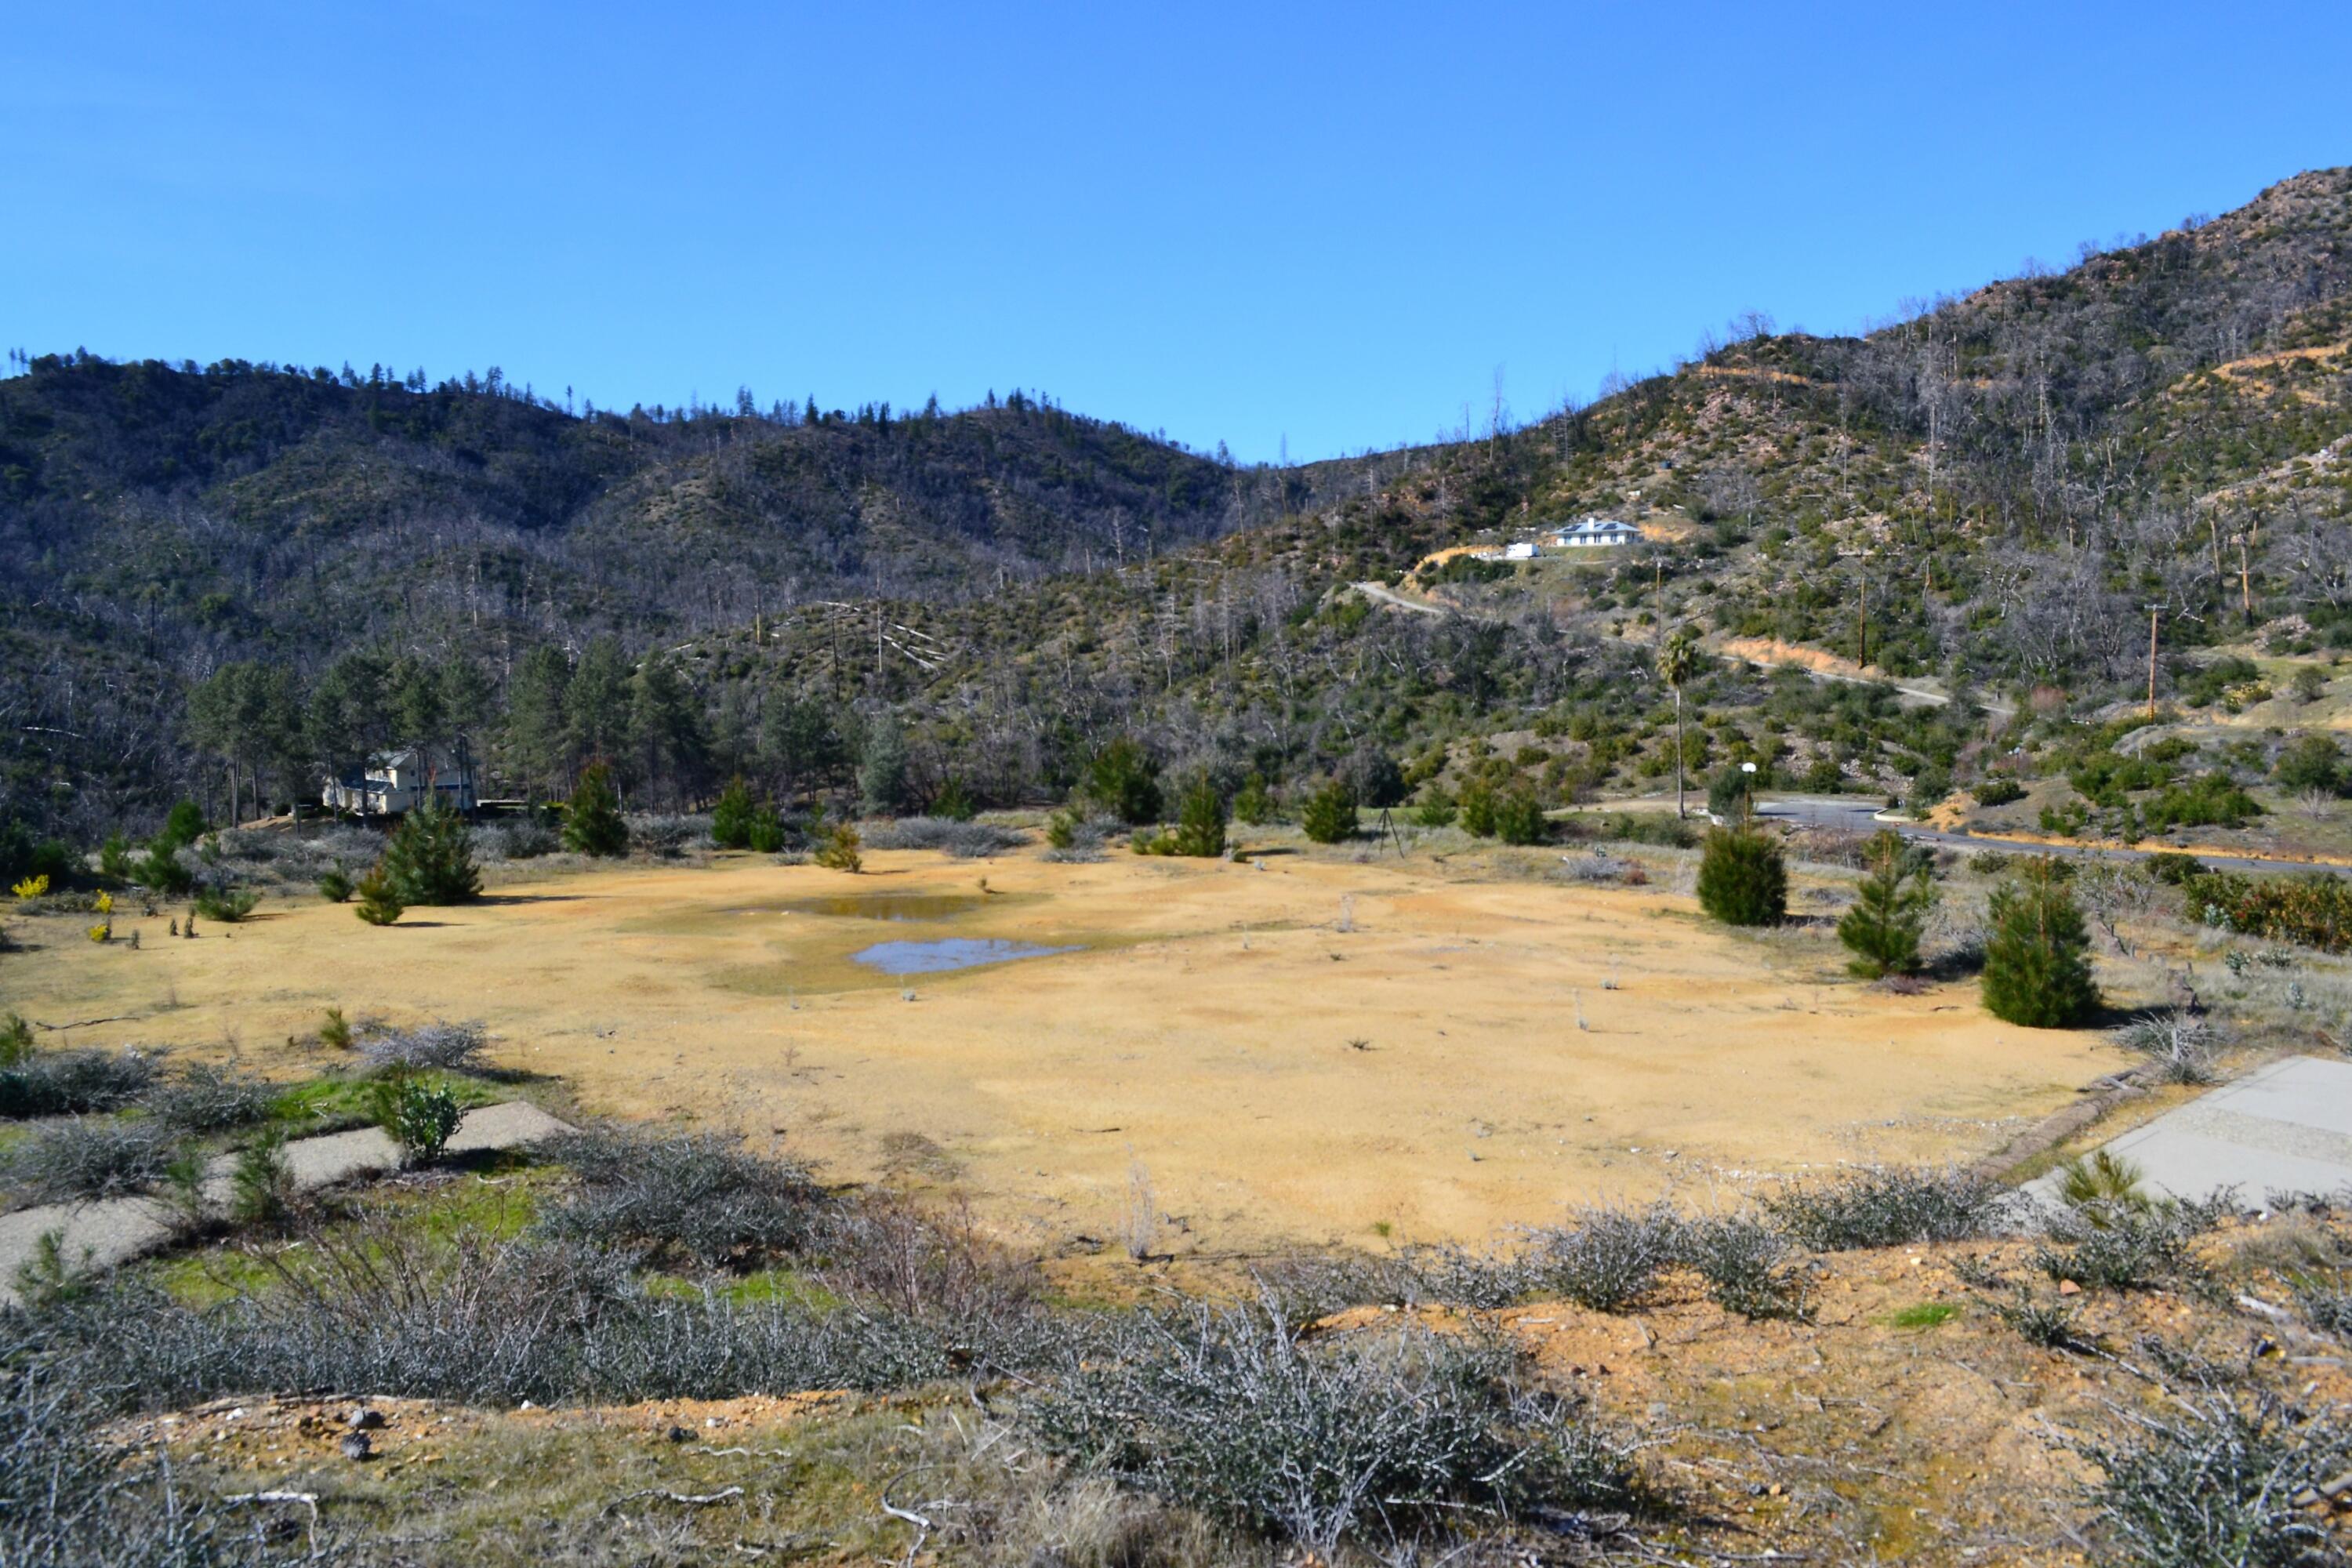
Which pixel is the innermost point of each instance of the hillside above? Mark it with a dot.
(2003, 484)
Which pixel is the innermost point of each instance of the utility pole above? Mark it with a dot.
(2152, 611)
(2245, 584)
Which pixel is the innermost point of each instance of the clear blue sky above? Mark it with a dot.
(1331, 225)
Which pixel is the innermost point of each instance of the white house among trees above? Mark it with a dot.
(398, 781)
(1596, 533)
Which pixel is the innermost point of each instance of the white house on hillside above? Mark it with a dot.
(1596, 533)
(398, 781)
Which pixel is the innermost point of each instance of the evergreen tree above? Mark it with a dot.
(1477, 808)
(1520, 818)
(1201, 822)
(1123, 780)
(430, 860)
(1890, 909)
(1329, 816)
(1742, 879)
(1255, 804)
(2037, 969)
(1377, 780)
(538, 740)
(597, 701)
(379, 903)
(731, 819)
(882, 770)
(799, 741)
(347, 718)
(592, 825)
(665, 731)
(953, 801)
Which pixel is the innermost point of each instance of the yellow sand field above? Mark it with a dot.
(1275, 1075)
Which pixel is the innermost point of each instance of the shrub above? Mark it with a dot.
(379, 902)
(1890, 911)
(335, 885)
(2120, 1248)
(418, 1116)
(2182, 1044)
(16, 1040)
(2169, 865)
(335, 1030)
(2037, 971)
(2315, 910)
(31, 887)
(840, 851)
(1254, 806)
(1200, 822)
(686, 1197)
(1436, 808)
(1375, 777)
(1520, 818)
(1123, 780)
(1477, 810)
(1231, 1412)
(2312, 763)
(88, 1159)
(1070, 838)
(430, 860)
(1891, 1207)
(591, 823)
(954, 802)
(262, 1190)
(227, 905)
(1330, 816)
(964, 840)
(730, 818)
(1606, 1258)
(448, 1047)
(1739, 1257)
(1742, 878)
(1997, 789)
(206, 1098)
(2206, 1481)
(765, 835)
(71, 1083)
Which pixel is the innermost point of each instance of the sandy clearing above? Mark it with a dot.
(1209, 1035)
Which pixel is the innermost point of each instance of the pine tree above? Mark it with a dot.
(379, 903)
(1124, 781)
(731, 819)
(1742, 879)
(2037, 971)
(1201, 822)
(1477, 808)
(953, 801)
(593, 823)
(1890, 909)
(1330, 814)
(430, 860)
(1520, 818)
(882, 769)
(1255, 804)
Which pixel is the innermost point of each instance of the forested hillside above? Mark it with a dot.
(1994, 493)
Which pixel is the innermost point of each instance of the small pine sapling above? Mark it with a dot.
(1890, 911)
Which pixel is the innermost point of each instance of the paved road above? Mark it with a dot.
(2285, 1128)
(1862, 815)
(112, 1231)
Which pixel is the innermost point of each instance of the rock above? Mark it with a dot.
(357, 1448)
(362, 1419)
(680, 1435)
(2068, 1288)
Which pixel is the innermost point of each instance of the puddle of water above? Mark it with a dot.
(881, 906)
(947, 952)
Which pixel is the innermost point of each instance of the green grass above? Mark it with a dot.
(335, 1104)
(1926, 1315)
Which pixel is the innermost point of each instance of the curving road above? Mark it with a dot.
(1862, 815)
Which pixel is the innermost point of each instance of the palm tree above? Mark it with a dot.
(1678, 659)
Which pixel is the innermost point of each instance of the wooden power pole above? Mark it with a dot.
(2152, 611)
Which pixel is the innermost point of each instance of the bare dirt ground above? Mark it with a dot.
(1316, 1051)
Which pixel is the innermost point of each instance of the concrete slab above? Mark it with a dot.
(114, 1231)
(2286, 1127)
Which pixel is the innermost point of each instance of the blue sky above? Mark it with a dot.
(1290, 228)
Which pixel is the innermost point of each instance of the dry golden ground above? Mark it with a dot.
(1317, 1050)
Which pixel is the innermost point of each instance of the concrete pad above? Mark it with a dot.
(2286, 1127)
(104, 1234)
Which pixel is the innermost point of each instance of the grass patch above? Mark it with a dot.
(1924, 1315)
(338, 1104)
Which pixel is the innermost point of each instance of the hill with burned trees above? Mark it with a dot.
(1983, 501)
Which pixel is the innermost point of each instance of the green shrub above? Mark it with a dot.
(1742, 877)
(430, 857)
(2312, 762)
(335, 885)
(379, 902)
(1255, 804)
(1477, 808)
(842, 849)
(261, 1184)
(1124, 781)
(2037, 971)
(1520, 818)
(1436, 808)
(1329, 816)
(730, 818)
(2171, 867)
(764, 835)
(591, 823)
(1882, 929)
(418, 1116)
(954, 802)
(1999, 790)
(227, 905)
(2313, 910)
(16, 1040)
(1201, 822)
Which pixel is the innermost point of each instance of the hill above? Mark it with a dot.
(1984, 498)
